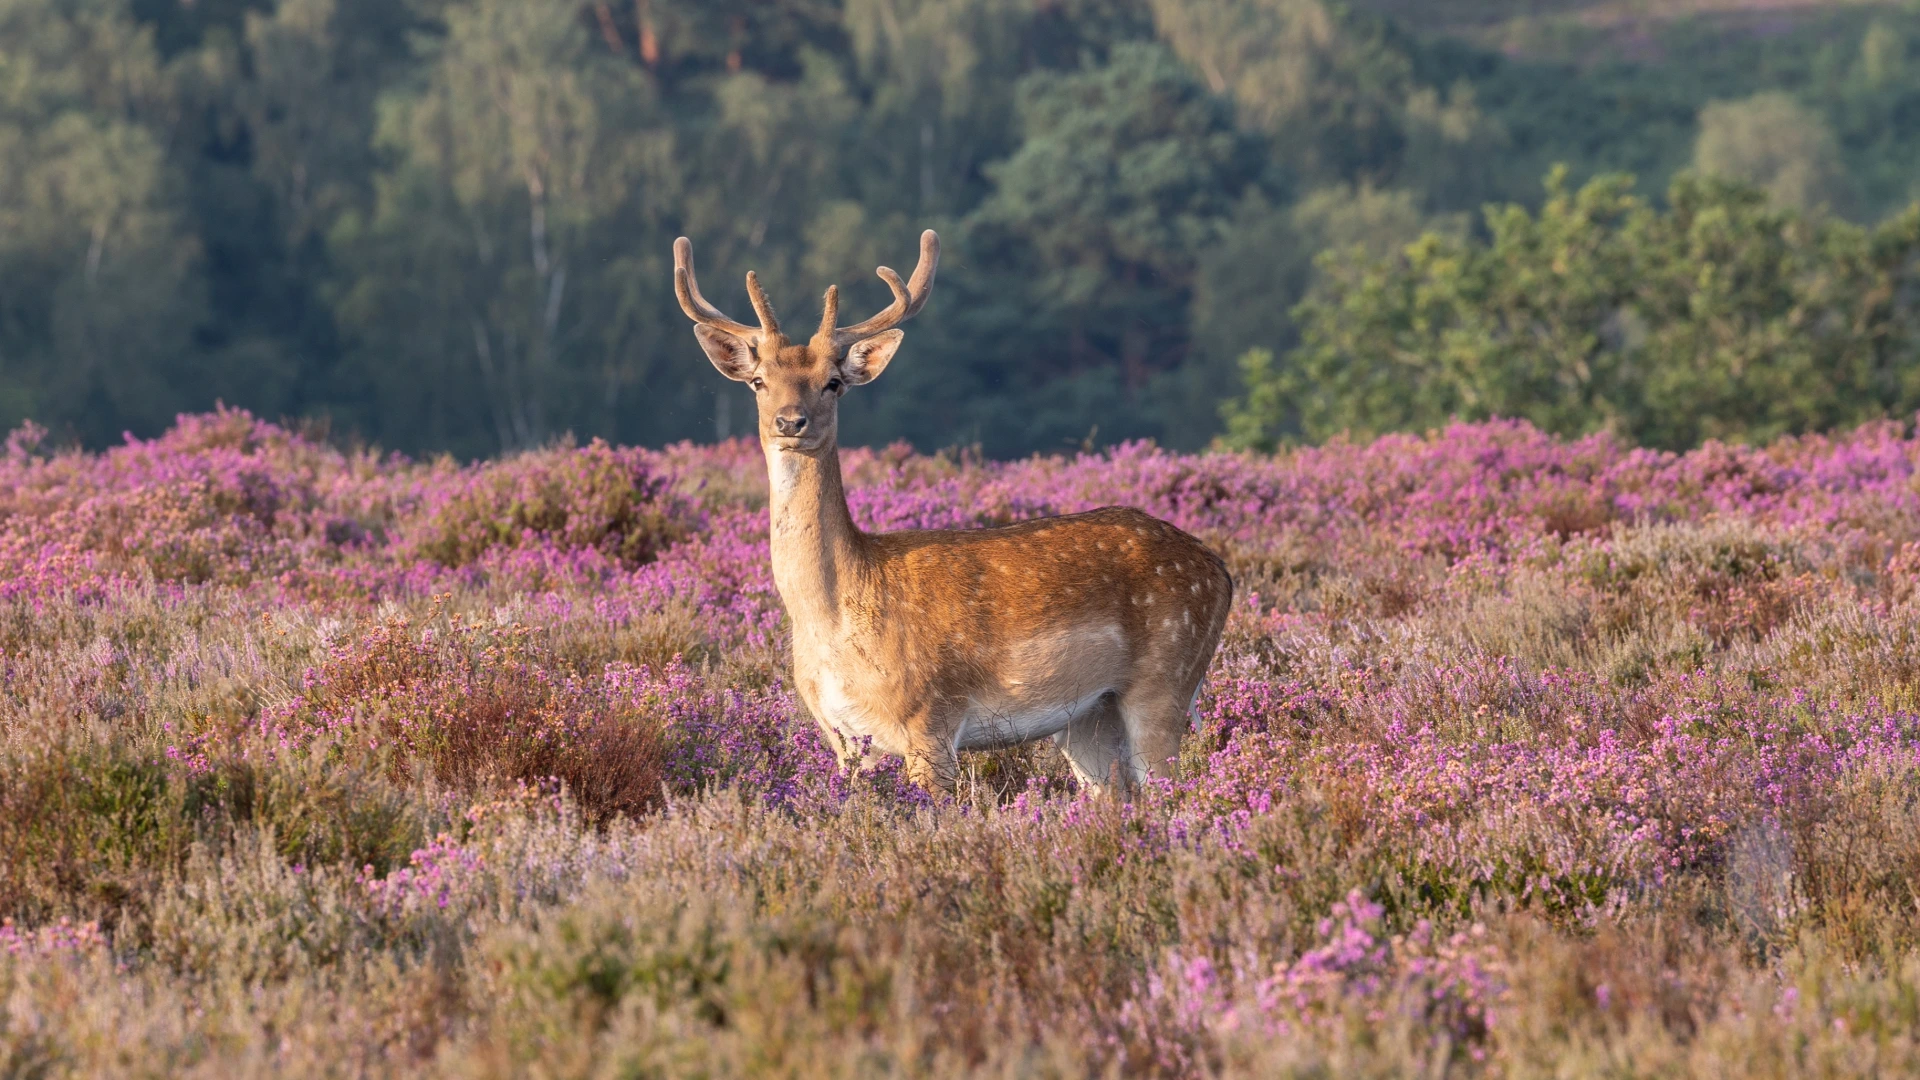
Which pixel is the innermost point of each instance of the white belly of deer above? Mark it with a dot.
(1047, 684)
(990, 725)
(1044, 685)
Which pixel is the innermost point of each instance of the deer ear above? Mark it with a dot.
(732, 356)
(870, 356)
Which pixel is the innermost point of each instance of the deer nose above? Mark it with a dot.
(790, 425)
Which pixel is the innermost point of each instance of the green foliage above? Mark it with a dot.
(506, 167)
(1721, 316)
(1264, 264)
(1250, 419)
(1124, 177)
(1775, 143)
(443, 225)
(1339, 90)
(100, 295)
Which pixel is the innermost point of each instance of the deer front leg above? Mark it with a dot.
(855, 752)
(932, 763)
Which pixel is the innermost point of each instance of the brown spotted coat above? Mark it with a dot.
(1093, 629)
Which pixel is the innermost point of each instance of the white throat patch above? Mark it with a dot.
(783, 471)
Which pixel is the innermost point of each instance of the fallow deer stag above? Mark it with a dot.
(1094, 629)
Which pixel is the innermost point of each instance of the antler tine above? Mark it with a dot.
(769, 324)
(829, 313)
(687, 288)
(908, 297)
(921, 284)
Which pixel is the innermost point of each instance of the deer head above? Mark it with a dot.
(798, 387)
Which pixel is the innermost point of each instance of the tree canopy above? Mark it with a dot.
(445, 225)
(1719, 316)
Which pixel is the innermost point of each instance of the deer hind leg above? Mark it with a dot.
(1155, 719)
(1095, 744)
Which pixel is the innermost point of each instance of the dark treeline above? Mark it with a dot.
(446, 224)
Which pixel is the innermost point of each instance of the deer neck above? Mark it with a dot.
(818, 555)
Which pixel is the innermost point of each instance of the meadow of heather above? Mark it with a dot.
(1520, 757)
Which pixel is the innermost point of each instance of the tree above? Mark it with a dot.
(1339, 94)
(1775, 143)
(943, 75)
(100, 287)
(274, 144)
(1083, 257)
(524, 167)
(1722, 317)
(1264, 262)
(1327, 86)
(1264, 265)
(1125, 174)
(311, 206)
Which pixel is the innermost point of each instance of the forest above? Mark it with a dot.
(445, 225)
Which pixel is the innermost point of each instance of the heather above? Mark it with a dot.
(1521, 756)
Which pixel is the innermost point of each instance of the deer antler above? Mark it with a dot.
(687, 288)
(908, 298)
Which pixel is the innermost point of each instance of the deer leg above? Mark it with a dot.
(854, 754)
(1095, 744)
(1155, 720)
(933, 765)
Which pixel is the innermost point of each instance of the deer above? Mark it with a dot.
(1092, 629)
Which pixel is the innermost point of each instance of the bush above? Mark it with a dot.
(598, 498)
(474, 707)
(1721, 317)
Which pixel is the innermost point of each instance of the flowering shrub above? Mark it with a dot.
(1515, 750)
(472, 703)
(443, 872)
(596, 498)
(64, 935)
(1453, 982)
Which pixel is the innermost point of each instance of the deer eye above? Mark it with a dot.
(758, 384)
(834, 385)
